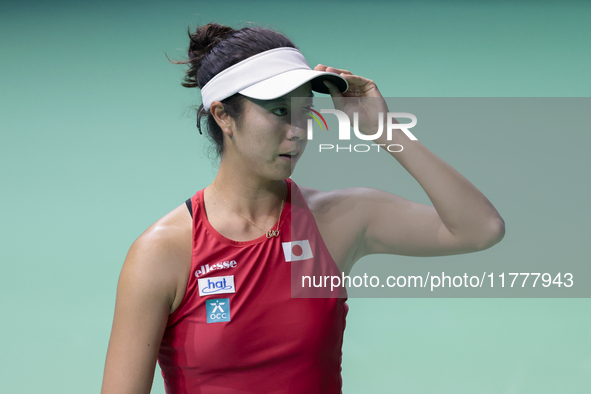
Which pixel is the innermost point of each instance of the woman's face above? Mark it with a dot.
(270, 140)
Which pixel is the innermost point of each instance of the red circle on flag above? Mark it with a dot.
(297, 250)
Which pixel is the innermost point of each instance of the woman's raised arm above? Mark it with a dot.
(461, 219)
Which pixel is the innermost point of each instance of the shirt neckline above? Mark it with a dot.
(222, 238)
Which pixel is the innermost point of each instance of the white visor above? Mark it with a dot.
(267, 76)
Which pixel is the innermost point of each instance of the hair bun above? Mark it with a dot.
(203, 40)
(206, 37)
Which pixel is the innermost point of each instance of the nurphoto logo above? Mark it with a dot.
(345, 129)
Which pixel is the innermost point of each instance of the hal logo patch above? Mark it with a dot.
(218, 310)
(297, 250)
(216, 285)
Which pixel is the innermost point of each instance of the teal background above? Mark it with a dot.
(98, 141)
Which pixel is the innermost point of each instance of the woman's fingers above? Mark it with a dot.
(358, 86)
(357, 80)
(348, 75)
(322, 67)
(335, 93)
(338, 70)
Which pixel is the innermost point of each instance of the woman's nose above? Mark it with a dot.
(296, 132)
(299, 127)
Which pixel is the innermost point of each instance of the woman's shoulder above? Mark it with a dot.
(162, 253)
(320, 201)
(169, 229)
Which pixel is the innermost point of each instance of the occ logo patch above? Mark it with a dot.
(218, 310)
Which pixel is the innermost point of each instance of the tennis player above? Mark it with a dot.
(206, 291)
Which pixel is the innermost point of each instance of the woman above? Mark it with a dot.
(206, 290)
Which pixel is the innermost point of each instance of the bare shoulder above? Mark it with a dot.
(340, 201)
(353, 207)
(162, 253)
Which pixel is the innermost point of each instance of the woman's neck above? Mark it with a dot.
(250, 196)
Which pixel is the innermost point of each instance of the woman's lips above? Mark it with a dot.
(288, 157)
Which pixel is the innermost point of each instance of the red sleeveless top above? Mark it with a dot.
(238, 328)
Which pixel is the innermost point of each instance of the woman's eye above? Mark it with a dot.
(280, 111)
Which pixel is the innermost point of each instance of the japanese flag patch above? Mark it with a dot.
(297, 250)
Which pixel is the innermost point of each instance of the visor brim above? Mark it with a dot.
(281, 84)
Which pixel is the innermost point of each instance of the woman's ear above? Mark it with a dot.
(222, 118)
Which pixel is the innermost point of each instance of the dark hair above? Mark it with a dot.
(212, 49)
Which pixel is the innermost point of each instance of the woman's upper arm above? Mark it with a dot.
(400, 226)
(391, 224)
(145, 293)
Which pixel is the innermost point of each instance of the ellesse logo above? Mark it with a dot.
(223, 265)
(297, 250)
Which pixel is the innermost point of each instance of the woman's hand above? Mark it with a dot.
(362, 97)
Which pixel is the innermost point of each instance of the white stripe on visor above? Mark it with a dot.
(258, 68)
